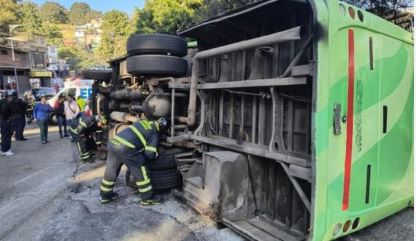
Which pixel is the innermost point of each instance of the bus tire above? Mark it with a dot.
(161, 180)
(156, 65)
(164, 44)
(165, 160)
(102, 75)
(165, 180)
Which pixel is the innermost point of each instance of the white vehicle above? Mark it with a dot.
(76, 88)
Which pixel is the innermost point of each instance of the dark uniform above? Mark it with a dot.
(6, 125)
(81, 129)
(99, 134)
(18, 117)
(99, 139)
(132, 147)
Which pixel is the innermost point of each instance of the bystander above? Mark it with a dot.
(59, 110)
(41, 114)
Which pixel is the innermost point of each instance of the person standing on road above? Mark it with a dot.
(132, 147)
(71, 109)
(41, 115)
(59, 110)
(19, 116)
(6, 125)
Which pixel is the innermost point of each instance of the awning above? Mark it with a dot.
(39, 74)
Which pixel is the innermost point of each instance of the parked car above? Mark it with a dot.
(39, 92)
(43, 91)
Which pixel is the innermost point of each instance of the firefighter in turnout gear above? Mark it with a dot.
(100, 137)
(82, 129)
(132, 147)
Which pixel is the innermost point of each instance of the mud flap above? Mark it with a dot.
(219, 186)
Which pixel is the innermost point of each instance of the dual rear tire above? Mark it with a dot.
(156, 55)
(101, 75)
(163, 172)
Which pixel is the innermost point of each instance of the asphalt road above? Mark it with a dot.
(45, 195)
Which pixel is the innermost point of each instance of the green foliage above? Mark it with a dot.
(165, 16)
(212, 8)
(8, 14)
(78, 58)
(53, 12)
(31, 22)
(80, 13)
(116, 28)
(52, 33)
(28, 14)
(381, 4)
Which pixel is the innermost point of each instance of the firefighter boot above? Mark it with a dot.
(108, 197)
(106, 191)
(150, 201)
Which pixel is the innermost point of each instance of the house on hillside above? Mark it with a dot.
(89, 35)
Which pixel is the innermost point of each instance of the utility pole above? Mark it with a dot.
(11, 28)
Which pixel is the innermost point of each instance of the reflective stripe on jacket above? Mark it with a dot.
(84, 124)
(142, 135)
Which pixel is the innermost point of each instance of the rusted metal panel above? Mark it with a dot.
(254, 83)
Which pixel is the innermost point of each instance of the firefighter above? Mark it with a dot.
(100, 137)
(81, 130)
(132, 147)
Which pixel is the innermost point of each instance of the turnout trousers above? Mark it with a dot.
(117, 155)
(85, 144)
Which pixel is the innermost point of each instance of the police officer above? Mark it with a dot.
(132, 147)
(81, 130)
(6, 125)
(18, 117)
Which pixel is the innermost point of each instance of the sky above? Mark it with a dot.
(102, 5)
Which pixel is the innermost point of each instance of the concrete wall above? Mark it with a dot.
(22, 59)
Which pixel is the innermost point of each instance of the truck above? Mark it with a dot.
(292, 120)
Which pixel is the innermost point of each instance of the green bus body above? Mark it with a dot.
(350, 141)
(363, 173)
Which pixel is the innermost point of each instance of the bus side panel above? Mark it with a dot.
(395, 180)
(369, 162)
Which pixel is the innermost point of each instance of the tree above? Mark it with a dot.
(8, 14)
(165, 16)
(54, 13)
(386, 5)
(390, 10)
(387, 9)
(52, 33)
(212, 8)
(71, 55)
(28, 15)
(31, 22)
(78, 13)
(94, 14)
(78, 58)
(115, 29)
(81, 13)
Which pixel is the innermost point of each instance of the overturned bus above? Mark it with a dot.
(295, 122)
